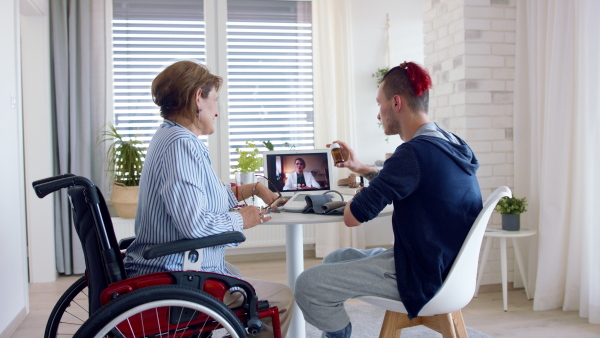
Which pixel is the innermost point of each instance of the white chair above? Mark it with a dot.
(443, 312)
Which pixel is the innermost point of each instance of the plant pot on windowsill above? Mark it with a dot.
(242, 178)
(125, 200)
(125, 159)
(511, 209)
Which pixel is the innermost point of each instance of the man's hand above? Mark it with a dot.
(351, 161)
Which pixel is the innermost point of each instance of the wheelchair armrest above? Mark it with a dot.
(124, 243)
(184, 245)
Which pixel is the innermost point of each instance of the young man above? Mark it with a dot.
(430, 179)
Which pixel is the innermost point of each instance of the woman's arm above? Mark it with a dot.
(255, 189)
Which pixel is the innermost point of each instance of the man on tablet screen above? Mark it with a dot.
(300, 180)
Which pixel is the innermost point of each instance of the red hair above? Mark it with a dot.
(418, 76)
(411, 81)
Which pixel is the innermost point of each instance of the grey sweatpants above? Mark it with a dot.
(345, 273)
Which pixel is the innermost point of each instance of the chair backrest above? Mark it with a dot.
(95, 230)
(459, 287)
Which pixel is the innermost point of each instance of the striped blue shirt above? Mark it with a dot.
(180, 197)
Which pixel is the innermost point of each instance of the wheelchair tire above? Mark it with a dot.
(129, 308)
(70, 312)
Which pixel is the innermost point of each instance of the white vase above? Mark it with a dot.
(242, 178)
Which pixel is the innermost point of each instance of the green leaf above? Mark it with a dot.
(125, 157)
(511, 205)
(379, 74)
(249, 161)
(269, 145)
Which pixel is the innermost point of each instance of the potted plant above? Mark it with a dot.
(125, 159)
(249, 163)
(378, 75)
(511, 209)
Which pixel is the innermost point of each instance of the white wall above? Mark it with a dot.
(13, 285)
(37, 123)
(369, 52)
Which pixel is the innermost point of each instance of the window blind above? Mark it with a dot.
(148, 36)
(269, 61)
(269, 58)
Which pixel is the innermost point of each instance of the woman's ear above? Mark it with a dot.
(198, 95)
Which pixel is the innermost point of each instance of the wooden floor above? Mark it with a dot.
(484, 313)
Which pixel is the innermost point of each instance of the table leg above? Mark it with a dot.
(295, 265)
(504, 272)
(486, 251)
(521, 267)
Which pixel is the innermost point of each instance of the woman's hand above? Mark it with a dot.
(253, 216)
(266, 195)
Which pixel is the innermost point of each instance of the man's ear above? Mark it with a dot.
(397, 101)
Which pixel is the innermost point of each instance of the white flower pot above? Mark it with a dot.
(244, 178)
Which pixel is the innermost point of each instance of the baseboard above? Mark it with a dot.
(497, 287)
(270, 253)
(14, 324)
(261, 257)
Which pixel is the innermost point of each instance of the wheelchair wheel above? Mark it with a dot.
(163, 311)
(70, 312)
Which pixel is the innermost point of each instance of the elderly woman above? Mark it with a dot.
(181, 196)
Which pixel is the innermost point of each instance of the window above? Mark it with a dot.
(148, 36)
(269, 66)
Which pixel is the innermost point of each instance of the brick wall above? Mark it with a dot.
(470, 52)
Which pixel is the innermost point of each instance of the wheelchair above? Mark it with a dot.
(105, 303)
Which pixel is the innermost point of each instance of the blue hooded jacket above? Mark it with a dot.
(436, 198)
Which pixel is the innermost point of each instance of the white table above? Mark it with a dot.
(490, 234)
(295, 252)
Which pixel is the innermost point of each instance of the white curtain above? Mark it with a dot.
(557, 149)
(334, 111)
(80, 42)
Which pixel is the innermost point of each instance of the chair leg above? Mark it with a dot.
(446, 328)
(459, 324)
(394, 322)
(450, 325)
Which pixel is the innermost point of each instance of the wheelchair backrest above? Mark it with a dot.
(97, 267)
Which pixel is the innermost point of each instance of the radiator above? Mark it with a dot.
(265, 235)
(268, 235)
